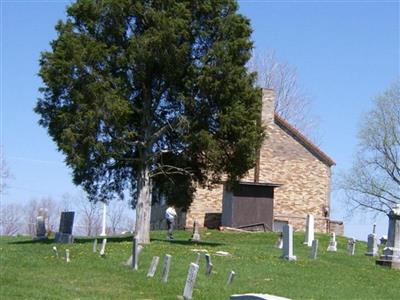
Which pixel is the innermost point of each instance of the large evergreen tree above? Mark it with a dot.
(151, 94)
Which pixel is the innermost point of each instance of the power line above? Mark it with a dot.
(36, 160)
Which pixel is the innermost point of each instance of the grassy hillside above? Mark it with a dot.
(29, 270)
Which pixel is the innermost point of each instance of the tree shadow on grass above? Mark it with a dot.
(188, 242)
(79, 240)
(33, 241)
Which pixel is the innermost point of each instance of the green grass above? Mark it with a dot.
(28, 270)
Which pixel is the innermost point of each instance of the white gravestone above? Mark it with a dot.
(314, 249)
(55, 251)
(190, 281)
(372, 245)
(231, 276)
(351, 246)
(166, 268)
(209, 264)
(309, 237)
(332, 243)
(288, 243)
(67, 256)
(95, 246)
(198, 258)
(256, 297)
(153, 266)
(103, 248)
(196, 235)
(391, 253)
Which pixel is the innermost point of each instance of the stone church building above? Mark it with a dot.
(292, 178)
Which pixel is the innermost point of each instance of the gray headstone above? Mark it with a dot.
(314, 249)
(351, 246)
(64, 238)
(190, 281)
(95, 246)
(153, 266)
(130, 259)
(64, 235)
(103, 248)
(372, 245)
(55, 251)
(231, 276)
(391, 253)
(332, 243)
(309, 234)
(198, 258)
(288, 243)
(40, 228)
(209, 264)
(66, 222)
(135, 254)
(196, 235)
(67, 256)
(256, 297)
(166, 267)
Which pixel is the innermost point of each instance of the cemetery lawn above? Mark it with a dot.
(28, 270)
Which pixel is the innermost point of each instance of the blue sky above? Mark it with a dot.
(345, 52)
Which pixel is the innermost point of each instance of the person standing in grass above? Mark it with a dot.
(170, 215)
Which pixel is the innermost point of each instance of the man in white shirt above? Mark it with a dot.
(170, 215)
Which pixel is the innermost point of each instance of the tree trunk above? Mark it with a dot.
(143, 207)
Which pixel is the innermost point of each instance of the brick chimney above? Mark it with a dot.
(268, 106)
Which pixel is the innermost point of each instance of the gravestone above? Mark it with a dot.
(288, 243)
(256, 297)
(95, 246)
(64, 234)
(40, 228)
(103, 248)
(153, 266)
(231, 276)
(332, 243)
(198, 258)
(67, 256)
(279, 242)
(351, 246)
(55, 251)
(129, 261)
(209, 264)
(314, 249)
(391, 253)
(372, 246)
(190, 281)
(309, 235)
(135, 254)
(196, 235)
(166, 267)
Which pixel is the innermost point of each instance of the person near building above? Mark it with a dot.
(170, 215)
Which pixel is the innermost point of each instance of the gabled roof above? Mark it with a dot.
(302, 139)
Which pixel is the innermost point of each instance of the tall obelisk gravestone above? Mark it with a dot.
(391, 253)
